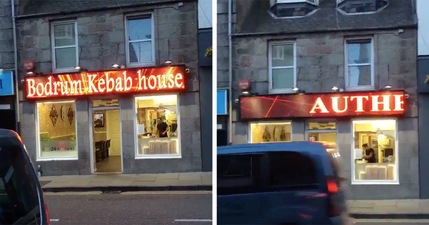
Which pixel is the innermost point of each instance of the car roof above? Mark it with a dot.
(296, 146)
(8, 137)
(306, 147)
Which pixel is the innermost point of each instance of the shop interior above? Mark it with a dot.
(325, 133)
(380, 136)
(270, 132)
(157, 125)
(107, 140)
(57, 129)
(106, 134)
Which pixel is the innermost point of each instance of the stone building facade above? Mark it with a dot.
(101, 42)
(319, 37)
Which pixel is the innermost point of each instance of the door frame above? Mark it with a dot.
(91, 131)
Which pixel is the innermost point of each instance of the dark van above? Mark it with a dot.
(279, 184)
(21, 196)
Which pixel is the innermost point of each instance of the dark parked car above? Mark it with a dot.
(279, 183)
(21, 197)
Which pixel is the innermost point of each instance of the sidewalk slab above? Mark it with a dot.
(200, 181)
(389, 209)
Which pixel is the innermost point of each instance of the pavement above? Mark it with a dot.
(164, 207)
(389, 209)
(128, 182)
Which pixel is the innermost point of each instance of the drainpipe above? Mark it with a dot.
(15, 49)
(230, 100)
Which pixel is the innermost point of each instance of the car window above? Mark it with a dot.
(292, 169)
(19, 199)
(239, 174)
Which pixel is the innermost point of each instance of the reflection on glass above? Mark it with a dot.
(57, 129)
(141, 52)
(139, 29)
(374, 149)
(64, 35)
(157, 125)
(270, 132)
(359, 52)
(359, 75)
(282, 55)
(329, 139)
(282, 78)
(65, 57)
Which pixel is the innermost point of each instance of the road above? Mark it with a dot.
(390, 222)
(187, 208)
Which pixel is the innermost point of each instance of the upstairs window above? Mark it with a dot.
(361, 6)
(360, 64)
(64, 45)
(282, 67)
(140, 41)
(292, 8)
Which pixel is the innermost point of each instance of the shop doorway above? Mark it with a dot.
(106, 139)
(323, 132)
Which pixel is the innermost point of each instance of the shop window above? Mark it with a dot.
(375, 150)
(270, 132)
(282, 67)
(105, 103)
(140, 42)
(360, 64)
(64, 43)
(56, 130)
(325, 133)
(158, 126)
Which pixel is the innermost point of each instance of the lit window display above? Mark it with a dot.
(56, 127)
(157, 126)
(270, 132)
(375, 150)
(325, 133)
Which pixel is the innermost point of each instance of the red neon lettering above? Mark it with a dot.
(361, 104)
(335, 105)
(103, 83)
(399, 103)
(376, 103)
(320, 106)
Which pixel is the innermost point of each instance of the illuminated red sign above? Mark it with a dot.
(141, 80)
(323, 105)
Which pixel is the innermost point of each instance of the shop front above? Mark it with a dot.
(351, 125)
(127, 121)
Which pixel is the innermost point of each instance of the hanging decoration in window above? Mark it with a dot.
(209, 51)
(53, 115)
(70, 115)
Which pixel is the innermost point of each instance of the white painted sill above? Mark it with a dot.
(281, 91)
(137, 65)
(55, 159)
(360, 88)
(65, 70)
(375, 182)
(159, 157)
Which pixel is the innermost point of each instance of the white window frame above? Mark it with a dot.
(270, 68)
(179, 131)
(127, 42)
(354, 181)
(53, 47)
(249, 128)
(38, 150)
(346, 63)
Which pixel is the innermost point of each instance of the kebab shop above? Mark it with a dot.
(107, 121)
(361, 128)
